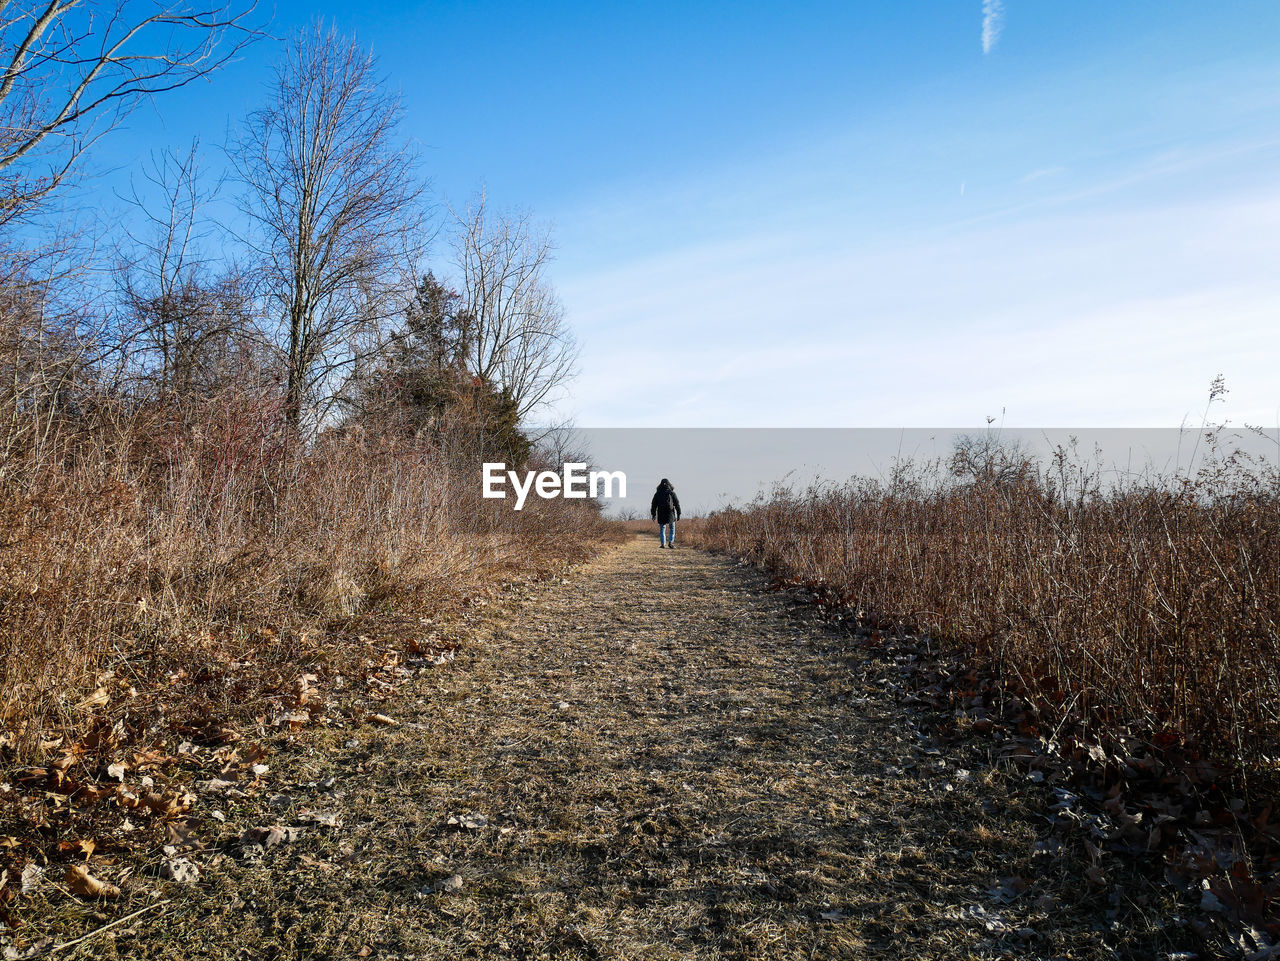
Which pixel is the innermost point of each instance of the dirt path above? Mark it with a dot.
(652, 760)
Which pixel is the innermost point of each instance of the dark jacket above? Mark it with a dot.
(666, 506)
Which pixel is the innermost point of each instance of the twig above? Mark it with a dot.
(96, 931)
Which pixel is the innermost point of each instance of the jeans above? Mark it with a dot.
(667, 534)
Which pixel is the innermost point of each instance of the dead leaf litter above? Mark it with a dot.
(652, 759)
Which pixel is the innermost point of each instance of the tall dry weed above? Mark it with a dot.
(1151, 607)
(131, 538)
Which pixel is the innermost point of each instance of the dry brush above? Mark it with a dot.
(155, 540)
(1150, 608)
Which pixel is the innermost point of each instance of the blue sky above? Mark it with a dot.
(849, 214)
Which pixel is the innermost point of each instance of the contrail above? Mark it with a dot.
(992, 21)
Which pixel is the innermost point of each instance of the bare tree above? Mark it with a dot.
(72, 69)
(183, 312)
(42, 358)
(336, 199)
(518, 341)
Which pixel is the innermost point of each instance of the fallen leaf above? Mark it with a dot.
(180, 833)
(157, 804)
(1209, 902)
(1008, 890)
(32, 875)
(254, 753)
(270, 837)
(282, 835)
(449, 885)
(84, 884)
(214, 786)
(149, 759)
(84, 846)
(37, 950)
(98, 698)
(68, 758)
(311, 862)
(92, 793)
(181, 870)
(104, 736)
(326, 820)
(303, 691)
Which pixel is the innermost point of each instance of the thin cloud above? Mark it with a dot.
(992, 23)
(1041, 174)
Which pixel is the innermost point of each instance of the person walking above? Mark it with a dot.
(665, 509)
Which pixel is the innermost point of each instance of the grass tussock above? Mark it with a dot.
(159, 542)
(1150, 607)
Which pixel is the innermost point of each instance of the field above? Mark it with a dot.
(190, 567)
(284, 675)
(1151, 608)
(196, 612)
(1127, 636)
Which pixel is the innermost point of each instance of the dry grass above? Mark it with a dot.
(1151, 608)
(652, 759)
(165, 543)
